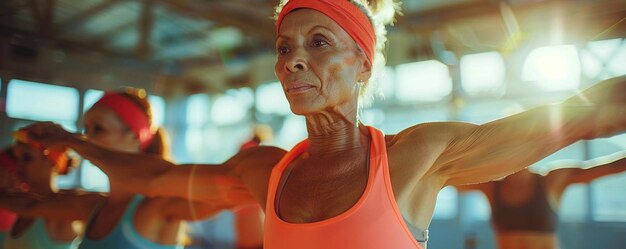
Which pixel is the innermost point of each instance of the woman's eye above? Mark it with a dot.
(282, 50)
(27, 158)
(97, 129)
(319, 43)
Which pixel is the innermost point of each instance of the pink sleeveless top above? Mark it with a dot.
(373, 222)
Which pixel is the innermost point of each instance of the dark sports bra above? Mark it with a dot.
(536, 216)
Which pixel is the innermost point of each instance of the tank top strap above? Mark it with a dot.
(278, 171)
(132, 207)
(378, 150)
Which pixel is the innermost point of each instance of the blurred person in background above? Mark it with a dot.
(35, 169)
(524, 205)
(121, 121)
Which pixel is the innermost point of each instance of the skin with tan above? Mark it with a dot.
(319, 66)
(517, 189)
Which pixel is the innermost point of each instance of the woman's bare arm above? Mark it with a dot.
(66, 206)
(151, 175)
(504, 146)
(587, 173)
(463, 153)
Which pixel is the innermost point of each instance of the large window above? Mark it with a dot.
(553, 68)
(232, 107)
(197, 125)
(42, 102)
(483, 74)
(607, 192)
(604, 59)
(423, 81)
(270, 99)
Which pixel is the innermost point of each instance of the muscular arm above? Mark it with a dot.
(66, 206)
(461, 153)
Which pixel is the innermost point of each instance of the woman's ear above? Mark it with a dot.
(366, 70)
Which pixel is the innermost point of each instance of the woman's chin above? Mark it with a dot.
(301, 110)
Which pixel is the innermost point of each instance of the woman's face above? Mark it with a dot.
(105, 128)
(318, 63)
(32, 165)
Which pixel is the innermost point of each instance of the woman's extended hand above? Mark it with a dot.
(46, 134)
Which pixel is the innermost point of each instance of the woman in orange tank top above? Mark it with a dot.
(347, 185)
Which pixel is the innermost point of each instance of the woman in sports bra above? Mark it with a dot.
(348, 185)
(524, 205)
(34, 173)
(122, 219)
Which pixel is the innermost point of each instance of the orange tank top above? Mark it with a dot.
(373, 222)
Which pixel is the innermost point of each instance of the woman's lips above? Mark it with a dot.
(298, 88)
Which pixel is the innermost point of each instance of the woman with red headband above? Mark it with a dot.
(33, 172)
(121, 121)
(348, 185)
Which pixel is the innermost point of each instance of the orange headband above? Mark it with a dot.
(131, 114)
(349, 16)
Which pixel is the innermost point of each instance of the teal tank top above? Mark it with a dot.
(35, 237)
(124, 234)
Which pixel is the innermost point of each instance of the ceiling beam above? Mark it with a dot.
(145, 27)
(62, 43)
(42, 15)
(46, 27)
(75, 21)
(102, 38)
(438, 17)
(254, 24)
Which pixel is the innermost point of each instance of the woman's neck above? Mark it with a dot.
(334, 132)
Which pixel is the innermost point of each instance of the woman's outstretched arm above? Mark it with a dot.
(66, 206)
(587, 171)
(233, 182)
(460, 153)
(504, 146)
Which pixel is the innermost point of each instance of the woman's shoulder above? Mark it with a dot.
(260, 157)
(263, 153)
(431, 132)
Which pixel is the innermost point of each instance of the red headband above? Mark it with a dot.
(131, 114)
(349, 16)
(7, 161)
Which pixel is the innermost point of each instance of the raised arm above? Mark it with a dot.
(230, 182)
(472, 154)
(66, 206)
(589, 171)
